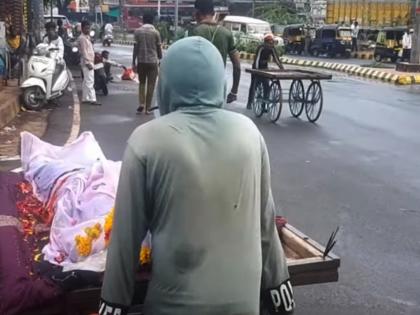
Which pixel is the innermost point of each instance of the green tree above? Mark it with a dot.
(281, 13)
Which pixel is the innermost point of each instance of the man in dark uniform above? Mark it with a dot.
(262, 56)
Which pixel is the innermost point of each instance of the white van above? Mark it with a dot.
(252, 29)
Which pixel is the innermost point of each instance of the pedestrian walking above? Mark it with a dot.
(354, 35)
(262, 56)
(147, 53)
(87, 58)
(220, 37)
(216, 249)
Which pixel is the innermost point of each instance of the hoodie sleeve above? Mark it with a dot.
(276, 289)
(128, 231)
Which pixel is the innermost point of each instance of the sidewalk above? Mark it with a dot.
(33, 122)
(9, 103)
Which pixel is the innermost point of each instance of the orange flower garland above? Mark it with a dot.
(84, 243)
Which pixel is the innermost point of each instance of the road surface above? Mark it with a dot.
(357, 168)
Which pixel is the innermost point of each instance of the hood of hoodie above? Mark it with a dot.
(192, 74)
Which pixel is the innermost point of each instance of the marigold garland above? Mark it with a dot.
(84, 243)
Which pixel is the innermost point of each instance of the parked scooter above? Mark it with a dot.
(47, 77)
(100, 76)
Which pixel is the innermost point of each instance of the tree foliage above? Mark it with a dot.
(281, 13)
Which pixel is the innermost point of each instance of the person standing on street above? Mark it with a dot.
(220, 37)
(262, 56)
(87, 59)
(406, 43)
(147, 52)
(354, 35)
(211, 214)
(308, 40)
(61, 31)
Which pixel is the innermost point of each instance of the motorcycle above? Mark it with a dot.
(47, 77)
(107, 40)
(100, 75)
(71, 53)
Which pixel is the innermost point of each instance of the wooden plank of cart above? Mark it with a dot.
(269, 99)
(305, 259)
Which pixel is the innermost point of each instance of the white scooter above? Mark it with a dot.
(47, 77)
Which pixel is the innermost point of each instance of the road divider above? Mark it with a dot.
(389, 76)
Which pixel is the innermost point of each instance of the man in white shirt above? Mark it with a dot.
(108, 28)
(52, 38)
(87, 61)
(406, 43)
(354, 34)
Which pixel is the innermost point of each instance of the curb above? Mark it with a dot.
(384, 76)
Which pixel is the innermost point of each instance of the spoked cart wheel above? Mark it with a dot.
(275, 106)
(314, 101)
(296, 98)
(258, 104)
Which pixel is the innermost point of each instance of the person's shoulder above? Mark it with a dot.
(239, 120)
(225, 30)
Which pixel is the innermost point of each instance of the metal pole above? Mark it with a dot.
(158, 10)
(415, 45)
(176, 16)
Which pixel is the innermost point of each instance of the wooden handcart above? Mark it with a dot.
(268, 97)
(305, 259)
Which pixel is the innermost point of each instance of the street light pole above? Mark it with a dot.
(176, 16)
(415, 47)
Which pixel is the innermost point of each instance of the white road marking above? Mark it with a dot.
(75, 128)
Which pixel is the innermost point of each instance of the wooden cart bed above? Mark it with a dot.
(304, 258)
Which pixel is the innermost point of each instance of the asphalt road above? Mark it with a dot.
(357, 168)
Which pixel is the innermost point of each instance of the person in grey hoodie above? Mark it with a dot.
(198, 178)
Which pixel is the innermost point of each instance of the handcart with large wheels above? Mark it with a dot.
(268, 97)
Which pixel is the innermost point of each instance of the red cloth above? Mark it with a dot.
(280, 222)
(20, 288)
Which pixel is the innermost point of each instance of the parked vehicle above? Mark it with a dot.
(107, 40)
(251, 29)
(47, 77)
(367, 38)
(294, 37)
(331, 40)
(389, 43)
(100, 75)
(71, 52)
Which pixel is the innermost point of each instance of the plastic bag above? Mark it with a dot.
(128, 74)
